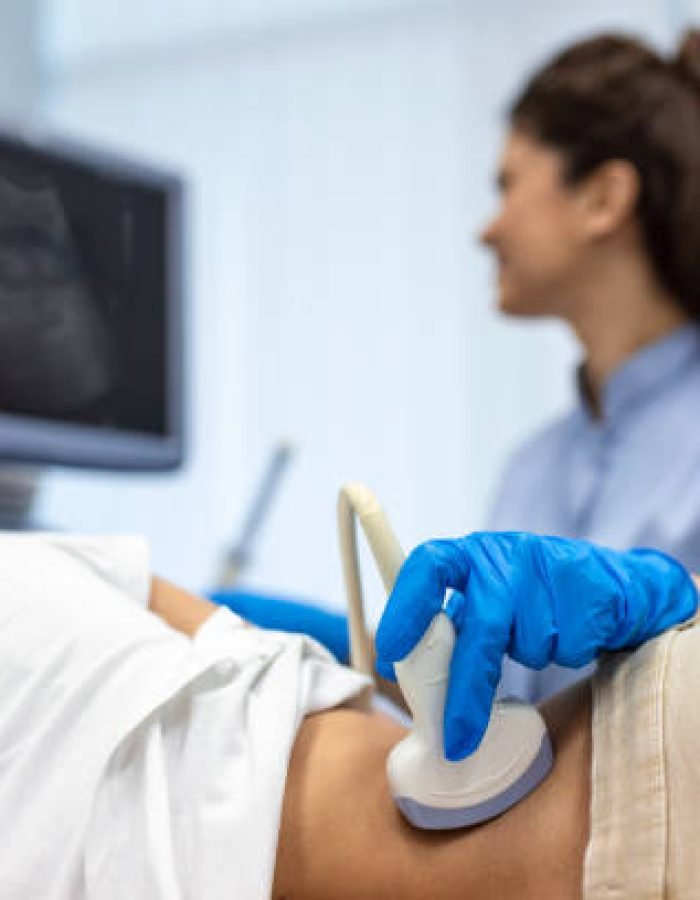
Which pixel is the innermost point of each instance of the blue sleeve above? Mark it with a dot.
(284, 614)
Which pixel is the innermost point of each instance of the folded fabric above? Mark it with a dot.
(644, 774)
(295, 616)
(134, 761)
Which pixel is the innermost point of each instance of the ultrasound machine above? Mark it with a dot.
(91, 304)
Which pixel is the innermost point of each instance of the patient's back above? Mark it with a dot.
(342, 837)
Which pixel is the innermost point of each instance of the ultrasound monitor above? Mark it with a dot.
(90, 309)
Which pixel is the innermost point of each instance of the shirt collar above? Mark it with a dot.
(643, 373)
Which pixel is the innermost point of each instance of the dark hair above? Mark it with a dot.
(613, 97)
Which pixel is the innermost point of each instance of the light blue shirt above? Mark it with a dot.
(630, 478)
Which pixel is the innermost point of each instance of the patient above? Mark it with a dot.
(341, 835)
(211, 760)
(624, 831)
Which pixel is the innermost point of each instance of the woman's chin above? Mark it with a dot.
(511, 303)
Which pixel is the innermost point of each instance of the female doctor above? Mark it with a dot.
(599, 225)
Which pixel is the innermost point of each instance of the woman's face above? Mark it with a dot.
(538, 234)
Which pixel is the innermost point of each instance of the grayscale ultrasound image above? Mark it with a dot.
(55, 353)
(83, 293)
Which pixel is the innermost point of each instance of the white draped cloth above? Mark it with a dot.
(135, 762)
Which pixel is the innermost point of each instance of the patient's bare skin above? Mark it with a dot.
(342, 837)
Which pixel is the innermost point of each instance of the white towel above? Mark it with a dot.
(645, 772)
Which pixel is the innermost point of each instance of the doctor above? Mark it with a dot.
(599, 225)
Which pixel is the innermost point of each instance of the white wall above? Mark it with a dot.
(20, 77)
(339, 162)
(81, 30)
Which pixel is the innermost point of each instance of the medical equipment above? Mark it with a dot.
(91, 362)
(515, 754)
(238, 555)
(91, 286)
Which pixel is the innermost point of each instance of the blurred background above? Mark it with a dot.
(339, 158)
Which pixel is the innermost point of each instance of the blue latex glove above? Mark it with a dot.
(539, 599)
(284, 614)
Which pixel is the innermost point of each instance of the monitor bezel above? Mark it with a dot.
(28, 439)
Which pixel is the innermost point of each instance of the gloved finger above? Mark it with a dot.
(454, 609)
(385, 669)
(474, 673)
(418, 596)
(534, 635)
(535, 638)
(524, 567)
(578, 570)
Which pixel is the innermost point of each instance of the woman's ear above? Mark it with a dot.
(610, 197)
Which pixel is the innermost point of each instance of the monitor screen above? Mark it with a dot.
(90, 309)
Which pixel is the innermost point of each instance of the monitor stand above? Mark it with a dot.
(18, 489)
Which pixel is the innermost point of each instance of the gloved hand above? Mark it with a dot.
(541, 600)
(328, 627)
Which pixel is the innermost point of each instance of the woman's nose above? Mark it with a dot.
(488, 235)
